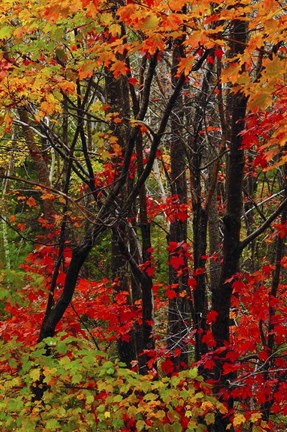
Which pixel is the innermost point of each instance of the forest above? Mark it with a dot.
(143, 215)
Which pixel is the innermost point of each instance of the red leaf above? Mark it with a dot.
(199, 271)
(21, 227)
(149, 271)
(133, 81)
(211, 316)
(208, 339)
(192, 283)
(218, 53)
(263, 356)
(171, 294)
(209, 364)
(167, 366)
(172, 246)
(230, 367)
(176, 262)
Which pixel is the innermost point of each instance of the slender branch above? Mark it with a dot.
(217, 158)
(263, 227)
(86, 213)
(256, 205)
(156, 141)
(86, 327)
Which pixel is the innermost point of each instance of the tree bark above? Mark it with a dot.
(221, 298)
(178, 310)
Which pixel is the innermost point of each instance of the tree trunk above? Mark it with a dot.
(221, 299)
(178, 310)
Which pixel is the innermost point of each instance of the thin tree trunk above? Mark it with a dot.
(276, 276)
(221, 300)
(178, 309)
(200, 219)
(148, 342)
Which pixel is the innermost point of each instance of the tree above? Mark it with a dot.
(145, 136)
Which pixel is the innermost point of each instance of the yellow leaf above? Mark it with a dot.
(35, 374)
(62, 200)
(115, 30)
(259, 101)
(223, 409)
(207, 405)
(150, 22)
(239, 419)
(255, 417)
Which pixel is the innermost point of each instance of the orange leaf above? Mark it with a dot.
(31, 202)
(21, 227)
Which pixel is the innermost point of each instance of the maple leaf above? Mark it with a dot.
(87, 69)
(230, 367)
(176, 262)
(209, 364)
(133, 81)
(67, 87)
(150, 22)
(171, 294)
(21, 226)
(150, 271)
(192, 282)
(218, 53)
(177, 5)
(172, 246)
(208, 339)
(239, 419)
(211, 316)
(167, 366)
(119, 68)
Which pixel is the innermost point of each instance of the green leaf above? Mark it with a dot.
(6, 32)
(35, 374)
(140, 425)
(52, 425)
(193, 373)
(209, 419)
(176, 427)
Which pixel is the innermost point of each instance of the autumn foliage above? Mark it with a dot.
(143, 210)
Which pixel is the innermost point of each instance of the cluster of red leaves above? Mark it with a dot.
(98, 308)
(260, 372)
(261, 135)
(106, 177)
(172, 209)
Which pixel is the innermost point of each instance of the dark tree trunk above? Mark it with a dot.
(117, 92)
(221, 299)
(178, 310)
(148, 342)
(200, 218)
